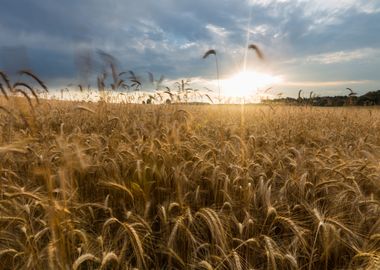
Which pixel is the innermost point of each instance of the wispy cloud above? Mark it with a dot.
(343, 56)
(216, 30)
(322, 84)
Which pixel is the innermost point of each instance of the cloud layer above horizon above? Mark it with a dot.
(315, 45)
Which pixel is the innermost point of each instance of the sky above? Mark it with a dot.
(320, 46)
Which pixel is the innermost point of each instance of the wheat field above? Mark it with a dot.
(127, 186)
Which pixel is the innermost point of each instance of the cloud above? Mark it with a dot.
(343, 56)
(323, 84)
(219, 32)
(299, 38)
(337, 57)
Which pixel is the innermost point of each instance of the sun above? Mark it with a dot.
(247, 83)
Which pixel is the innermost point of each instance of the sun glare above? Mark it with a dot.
(247, 83)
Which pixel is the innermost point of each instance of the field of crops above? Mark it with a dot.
(126, 186)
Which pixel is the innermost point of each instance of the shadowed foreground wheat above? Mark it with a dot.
(123, 186)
